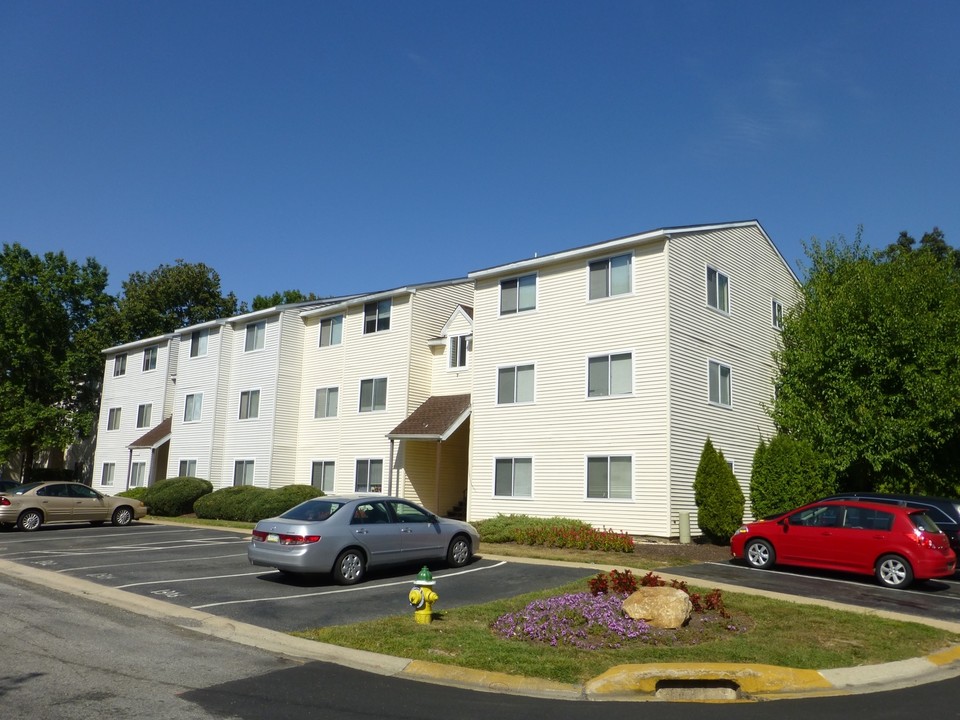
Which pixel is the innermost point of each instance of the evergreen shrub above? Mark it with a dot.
(718, 496)
(175, 496)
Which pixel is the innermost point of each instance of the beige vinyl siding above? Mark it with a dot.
(432, 308)
(287, 393)
(447, 380)
(562, 427)
(743, 340)
(419, 459)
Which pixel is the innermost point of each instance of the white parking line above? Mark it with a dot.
(182, 580)
(147, 547)
(141, 563)
(354, 588)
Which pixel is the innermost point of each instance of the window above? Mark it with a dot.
(192, 407)
(718, 290)
(610, 276)
(513, 477)
(188, 468)
(120, 365)
(458, 351)
(518, 294)
(376, 316)
(373, 394)
(255, 334)
(331, 331)
(609, 477)
(106, 473)
(369, 476)
(777, 315)
(143, 415)
(198, 343)
(150, 359)
(242, 473)
(610, 375)
(138, 477)
(321, 475)
(719, 384)
(326, 403)
(249, 404)
(113, 419)
(515, 384)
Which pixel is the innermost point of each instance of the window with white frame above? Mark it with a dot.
(198, 343)
(610, 375)
(331, 331)
(242, 473)
(249, 404)
(107, 473)
(610, 477)
(776, 311)
(150, 358)
(457, 356)
(321, 475)
(256, 332)
(143, 415)
(113, 419)
(326, 402)
(376, 316)
(611, 276)
(373, 394)
(120, 365)
(720, 384)
(515, 384)
(369, 476)
(518, 294)
(192, 407)
(188, 468)
(513, 477)
(718, 290)
(138, 474)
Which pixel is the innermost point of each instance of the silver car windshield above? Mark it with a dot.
(312, 510)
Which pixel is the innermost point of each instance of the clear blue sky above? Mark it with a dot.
(339, 147)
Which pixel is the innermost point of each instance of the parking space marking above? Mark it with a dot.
(141, 563)
(113, 549)
(182, 580)
(354, 588)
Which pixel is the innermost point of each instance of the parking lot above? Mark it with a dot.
(207, 569)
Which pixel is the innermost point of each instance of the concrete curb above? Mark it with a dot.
(659, 681)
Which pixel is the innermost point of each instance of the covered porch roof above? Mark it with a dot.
(436, 419)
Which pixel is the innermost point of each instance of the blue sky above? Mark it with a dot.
(338, 147)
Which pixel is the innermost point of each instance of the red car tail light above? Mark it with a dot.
(284, 539)
(4, 501)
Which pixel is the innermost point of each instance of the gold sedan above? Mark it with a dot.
(34, 504)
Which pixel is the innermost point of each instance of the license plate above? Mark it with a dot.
(273, 537)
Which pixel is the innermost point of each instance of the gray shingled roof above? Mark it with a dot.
(435, 419)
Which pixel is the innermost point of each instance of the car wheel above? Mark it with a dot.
(759, 554)
(893, 571)
(122, 516)
(30, 520)
(458, 554)
(349, 567)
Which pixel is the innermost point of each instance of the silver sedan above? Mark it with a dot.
(347, 535)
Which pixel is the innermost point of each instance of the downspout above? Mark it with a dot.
(390, 471)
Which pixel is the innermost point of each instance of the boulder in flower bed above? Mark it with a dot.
(660, 607)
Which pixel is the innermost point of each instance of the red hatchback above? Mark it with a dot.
(896, 544)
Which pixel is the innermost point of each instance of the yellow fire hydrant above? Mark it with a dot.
(422, 597)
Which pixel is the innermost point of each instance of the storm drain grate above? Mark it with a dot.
(697, 690)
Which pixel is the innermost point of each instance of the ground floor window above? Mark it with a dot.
(369, 476)
(138, 474)
(321, 475)
(513, 477)
(609, 477)
(106, 474)
(243, 473)
(188, 468)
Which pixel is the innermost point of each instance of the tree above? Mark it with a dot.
(287, 297)
(718, 496)
(869, 371)
(54, 317)
(786, 473)
(171, 297)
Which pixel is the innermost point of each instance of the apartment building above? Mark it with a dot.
(582, 383)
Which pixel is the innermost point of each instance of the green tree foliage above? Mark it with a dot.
(54, 315)
(869, 371)
(287, 297)
(172, 297)
(718, 496)
(786, 473)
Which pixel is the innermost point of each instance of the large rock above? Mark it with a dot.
(661, 607)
